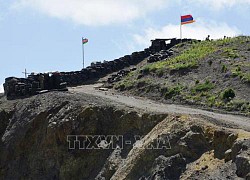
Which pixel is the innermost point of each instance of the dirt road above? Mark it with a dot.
(227, 120)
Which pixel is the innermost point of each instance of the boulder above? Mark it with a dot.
(242, 162)
(168, 167)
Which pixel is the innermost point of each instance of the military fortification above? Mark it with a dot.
(37, 83)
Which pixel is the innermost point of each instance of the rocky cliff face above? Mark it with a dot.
(35, 142)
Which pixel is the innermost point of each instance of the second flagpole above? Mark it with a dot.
(180, 31)
(82, 54)
(180, 28)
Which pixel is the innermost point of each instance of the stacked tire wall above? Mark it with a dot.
(22, 87)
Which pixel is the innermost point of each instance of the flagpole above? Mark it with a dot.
(82, 53)
(181, 32)
(180, 29)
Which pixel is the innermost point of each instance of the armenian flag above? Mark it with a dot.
(85, 40)
(187, 19)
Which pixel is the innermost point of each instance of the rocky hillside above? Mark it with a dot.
(92, 132)
(35, 142)
(206, 74)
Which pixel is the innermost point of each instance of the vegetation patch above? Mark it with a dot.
(246, 77)
(237, 72)
(173, 91)
(187, 59)
(230, 53)
(125, 85)
(211, 100)
(224, 68)
(238, 105)
(203, 87)
(228, 94)
(175, 80)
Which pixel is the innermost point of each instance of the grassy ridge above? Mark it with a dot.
(190, 58)
(222, 68)
(187, 59)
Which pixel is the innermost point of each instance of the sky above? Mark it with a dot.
(45, 35)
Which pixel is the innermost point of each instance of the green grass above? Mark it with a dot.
(230, 53)
(203, 87)
(247, 64)
(190, 58)
(224, 68)
(238, 105)
(187, 59)
(127, 83)
(246, 77)
(211, 100)
(173, 91)
(124, 85)
(237, 72)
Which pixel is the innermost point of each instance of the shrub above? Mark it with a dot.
(228, 94)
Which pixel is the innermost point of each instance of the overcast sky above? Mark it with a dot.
(45, 35)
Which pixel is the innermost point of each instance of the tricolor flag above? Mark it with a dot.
(84, 41)
(187, 19)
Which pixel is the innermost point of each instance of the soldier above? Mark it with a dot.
(208, 38)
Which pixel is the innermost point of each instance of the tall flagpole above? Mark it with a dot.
(181, 31)
(180, 28)
(82, 53)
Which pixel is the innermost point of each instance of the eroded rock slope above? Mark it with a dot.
(35, 145)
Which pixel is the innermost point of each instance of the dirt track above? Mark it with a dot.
(226, 120)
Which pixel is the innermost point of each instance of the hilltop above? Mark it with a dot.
(207, 74)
